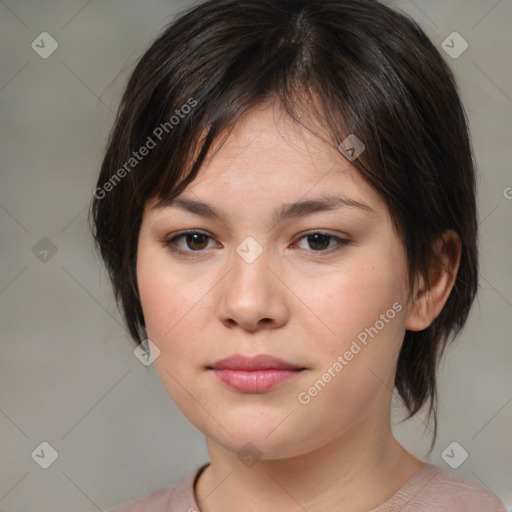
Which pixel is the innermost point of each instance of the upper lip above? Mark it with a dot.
(258, 362)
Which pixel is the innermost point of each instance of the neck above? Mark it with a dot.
(360, 469)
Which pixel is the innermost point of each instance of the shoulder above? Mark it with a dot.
(158, 500)
(178, 497)
(434, 489)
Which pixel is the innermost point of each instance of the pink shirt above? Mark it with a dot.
(431, 489)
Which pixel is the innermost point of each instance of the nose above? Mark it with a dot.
(252, 297)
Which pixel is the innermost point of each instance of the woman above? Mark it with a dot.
(287, 211)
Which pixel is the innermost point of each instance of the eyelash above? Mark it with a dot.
(170, 243)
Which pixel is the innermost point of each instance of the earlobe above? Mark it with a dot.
(431, 296)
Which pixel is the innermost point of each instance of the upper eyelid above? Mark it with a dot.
(170, 238)
(180, 234)
(300, 235)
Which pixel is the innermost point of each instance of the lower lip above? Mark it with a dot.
(255, 381)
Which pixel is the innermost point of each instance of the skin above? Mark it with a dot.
(302, 305)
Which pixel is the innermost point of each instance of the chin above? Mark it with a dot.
(268, 439)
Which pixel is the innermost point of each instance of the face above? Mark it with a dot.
(237, 268)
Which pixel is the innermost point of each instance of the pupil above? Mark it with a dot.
(319, 241)
(194, 240)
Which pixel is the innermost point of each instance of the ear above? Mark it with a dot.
(431, 296)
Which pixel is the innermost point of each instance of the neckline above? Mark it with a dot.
(408, 486)
(411, 486)
(199, 471)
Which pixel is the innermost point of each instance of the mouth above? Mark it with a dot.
(254, 374)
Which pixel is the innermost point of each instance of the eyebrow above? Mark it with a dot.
(286, 211)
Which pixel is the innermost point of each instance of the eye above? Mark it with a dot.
(193, 241)
(189, 241)
(323, 242)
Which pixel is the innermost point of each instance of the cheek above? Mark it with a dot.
(353, 298)
(163, 303)
(176, 309)
(165, 296)
(366, 311)
(170, 306)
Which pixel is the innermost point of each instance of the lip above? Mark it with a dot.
(253, 363)
(254, 374)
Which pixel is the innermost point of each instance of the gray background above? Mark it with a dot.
(68, 375)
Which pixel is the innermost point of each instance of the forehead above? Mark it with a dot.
(269, 152)
(268, 165)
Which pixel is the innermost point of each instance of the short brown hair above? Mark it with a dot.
(353, 67)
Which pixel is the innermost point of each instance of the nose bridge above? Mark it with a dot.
(250, 275)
